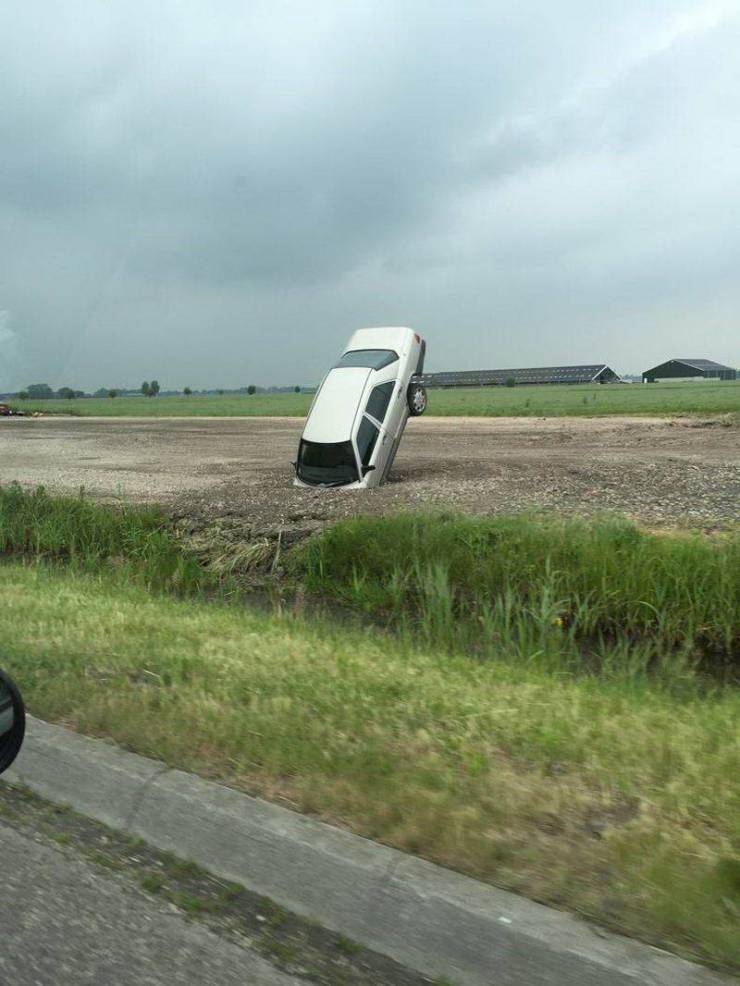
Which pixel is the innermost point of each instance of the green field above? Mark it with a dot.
(224, 405)
(550, 401)
(548, 705)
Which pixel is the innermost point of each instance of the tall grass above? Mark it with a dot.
(562, 593)
(136, 542)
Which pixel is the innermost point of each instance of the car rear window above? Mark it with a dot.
(374, 359)
(327, 463)
(380, 398)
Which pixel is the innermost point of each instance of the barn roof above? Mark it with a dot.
(577, 373)
(702, 364)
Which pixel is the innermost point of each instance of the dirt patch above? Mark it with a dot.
(659, 471)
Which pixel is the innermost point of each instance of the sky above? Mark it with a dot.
(218, 194)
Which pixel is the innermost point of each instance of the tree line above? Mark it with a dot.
(149, 388)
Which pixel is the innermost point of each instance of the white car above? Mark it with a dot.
(358, 415)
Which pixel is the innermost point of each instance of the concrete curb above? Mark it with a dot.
(423, 916)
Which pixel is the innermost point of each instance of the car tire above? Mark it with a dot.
(417, 399)
(12, 739)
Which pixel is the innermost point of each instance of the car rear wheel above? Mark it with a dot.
(417, 398)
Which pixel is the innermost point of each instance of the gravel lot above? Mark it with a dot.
(658, 470)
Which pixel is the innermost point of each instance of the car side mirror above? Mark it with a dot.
(12, 721)
(367, 469)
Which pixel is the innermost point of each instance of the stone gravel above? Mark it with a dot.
(662, 472)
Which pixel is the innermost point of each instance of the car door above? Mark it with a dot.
(375, 437)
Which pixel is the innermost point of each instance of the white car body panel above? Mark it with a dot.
(397, 338)
(346, 412)
(341, 393)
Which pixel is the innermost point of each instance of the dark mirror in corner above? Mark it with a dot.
(12, 721)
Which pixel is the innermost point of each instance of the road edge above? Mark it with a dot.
(425, 917)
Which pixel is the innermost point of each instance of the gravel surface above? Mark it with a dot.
(660, 471)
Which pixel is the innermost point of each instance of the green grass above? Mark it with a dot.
(223, 405)
(133, 542)
(546, 401)
(532, 715)
(615, 797)
(583, 400)
(563, 593)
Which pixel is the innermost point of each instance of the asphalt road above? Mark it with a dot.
(62, 923)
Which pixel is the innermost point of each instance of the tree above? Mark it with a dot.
(112, 392)
(66, 392)
(154, 388)
(23, 396)
(296, 390)
(187, 391)
(220, 392)
(102, 392)
(251, 389)
(39, 391)
(146, 389)
(511, 382)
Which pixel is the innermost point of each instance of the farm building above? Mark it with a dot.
(691, 369)
(588, 373)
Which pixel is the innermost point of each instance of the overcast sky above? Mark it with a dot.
(219, 193)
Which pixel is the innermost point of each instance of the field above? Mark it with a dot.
(519, 658)
(546, 705)
(545, 401)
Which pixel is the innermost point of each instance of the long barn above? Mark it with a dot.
(689, 369)
(582, 373)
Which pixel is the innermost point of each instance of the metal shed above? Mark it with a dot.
(584, 373)
(674, 369)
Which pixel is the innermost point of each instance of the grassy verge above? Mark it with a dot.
(721, 398)
(560, 593)
(616, 798)
(132, 542)
(478, 736)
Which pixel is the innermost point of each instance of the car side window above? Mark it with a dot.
(367, 435)
(380, 398)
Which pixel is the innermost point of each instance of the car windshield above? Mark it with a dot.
(375, 359)
(327, 463)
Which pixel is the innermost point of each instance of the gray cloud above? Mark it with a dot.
(216, 195)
